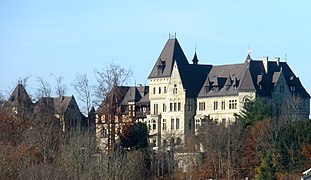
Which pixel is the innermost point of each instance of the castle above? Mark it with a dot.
(180, 95)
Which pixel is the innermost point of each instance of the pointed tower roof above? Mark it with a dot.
(171, 52)
(247, 81)
(248, 58)
(195, 59)
(20, 95)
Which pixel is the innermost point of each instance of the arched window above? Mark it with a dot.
(154, 90)
(159, 90)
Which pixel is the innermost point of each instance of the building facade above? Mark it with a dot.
(181, 95)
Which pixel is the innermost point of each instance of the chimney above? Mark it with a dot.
(265, 62)
(277, 59)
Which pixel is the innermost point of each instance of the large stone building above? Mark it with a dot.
(64, 109)
(181, 94)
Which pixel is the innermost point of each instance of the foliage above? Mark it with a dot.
(291, 140)
(135, 136)
(252, 112)
(267, 169)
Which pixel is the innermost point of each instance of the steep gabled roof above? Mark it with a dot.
(170, 54)
(61, 104)
(132, 95)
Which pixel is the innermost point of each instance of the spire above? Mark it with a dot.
(195, 59)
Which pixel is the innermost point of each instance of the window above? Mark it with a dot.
(154, 142)
(154, 90)
(223, 120)
(172, 123)
(223, 105)
(159, 90)
(165, 90)
(292, 88)
(154, 124)
(233, 104)
(175, 106)
(215, 105)
(164, 124)
(72, 106)
(171, 106)
(281, 88)
(175, 89)
(201, 106)
(197, 124)
(190, 124)
(189, 106)
(177, 123)
(179, 106)
(155, 107)
(164, 107)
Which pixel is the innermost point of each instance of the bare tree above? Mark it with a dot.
(84, 90)
(111, 76)
(109, 91)
(44, 89)
(60, 87)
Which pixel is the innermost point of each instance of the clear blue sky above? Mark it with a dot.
(66, 37)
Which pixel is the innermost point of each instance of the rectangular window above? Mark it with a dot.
(164, 107)
(201, 106)
(164, 124)
(189, 106)
(164, 89)
(171, 106)
(175, 104)
(177, 123)
(215, 105)
(172, 123)
(223, 105)
(179, 106)
(155, 107)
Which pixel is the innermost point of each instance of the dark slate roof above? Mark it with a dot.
(132, 95)
(62, 103)
(219, 78)
(129, 94)
(44, 105)
(249, 76)
(144, 100)
(120, 91)
(19, 96)
(170, 54)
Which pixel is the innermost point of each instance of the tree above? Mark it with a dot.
(84, 90)
(109, 89)
(108, 78)
(44, 89)
(60, 88)
(267, 169)
(252, 112)
(134, 136)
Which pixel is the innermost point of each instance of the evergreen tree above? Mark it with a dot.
(266, 170)
(252, 112)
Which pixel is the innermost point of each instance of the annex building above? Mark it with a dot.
(181, 94)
